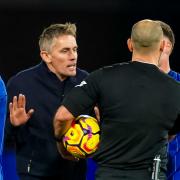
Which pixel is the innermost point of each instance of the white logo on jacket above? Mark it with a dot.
(81, 84)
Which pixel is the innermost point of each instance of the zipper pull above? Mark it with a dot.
(29, 166)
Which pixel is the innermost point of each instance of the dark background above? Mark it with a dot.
(103, 29)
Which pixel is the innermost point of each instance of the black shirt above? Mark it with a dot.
(35, 144)
(138, 104)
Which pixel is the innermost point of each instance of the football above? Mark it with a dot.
(82, 138)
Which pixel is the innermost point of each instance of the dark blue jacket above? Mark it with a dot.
(174, 147)
(3, 101)
(35, 144)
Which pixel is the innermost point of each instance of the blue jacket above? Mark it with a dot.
(174, 147)
(3, 103)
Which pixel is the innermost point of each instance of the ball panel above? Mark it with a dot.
(73, 135)
(75, 151)
(90, 124)
(90, 143)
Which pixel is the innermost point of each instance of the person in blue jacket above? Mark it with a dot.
(3, 104)
(173, 172)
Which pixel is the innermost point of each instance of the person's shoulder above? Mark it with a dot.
(115, 66)
(24, 74)
(82, 73)
(175, 87)
(2, 88)
(173, 81)
(107, 70)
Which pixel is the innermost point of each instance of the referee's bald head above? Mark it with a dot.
(146, 34)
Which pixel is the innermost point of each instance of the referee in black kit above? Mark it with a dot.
(139, 106)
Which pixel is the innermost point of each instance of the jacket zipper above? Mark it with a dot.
(29, 165)
(30, 162)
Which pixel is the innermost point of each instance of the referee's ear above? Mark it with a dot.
(129, 44)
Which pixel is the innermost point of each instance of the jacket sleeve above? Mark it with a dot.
(3, 107)
(176, 127)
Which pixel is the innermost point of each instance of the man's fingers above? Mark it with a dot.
(14, 103)
(30, 112)
(21, 101)
(10, 107)
(10, 110)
